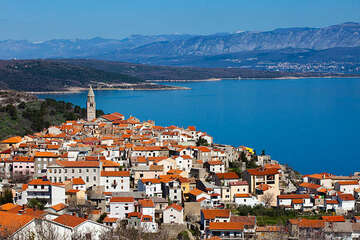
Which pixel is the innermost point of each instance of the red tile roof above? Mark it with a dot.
(58, 207)
(78, 181)
(39, 182)
(122, 199)
(215, 213)
(293, 196)
(227, 175)
(146, 203)
(175, 206)
(263, 172)
(78, 163)
(346, 197)
(226, 226)
(69, 220)
(333, 218)
(115, 173)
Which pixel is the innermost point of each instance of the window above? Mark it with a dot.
(87, 178)
(87, 170)
(65, 170)
(59, 170)
(94, 178)
(126, 208)
(73, 171)
(54, 170)
(42, 187)
(141, 175)
(79, 170)
(35, 186)
(94, 170)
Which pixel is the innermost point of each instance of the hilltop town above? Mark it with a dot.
(109, 177)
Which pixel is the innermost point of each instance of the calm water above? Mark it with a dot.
(311, 124)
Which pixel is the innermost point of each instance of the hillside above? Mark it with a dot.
(46, 75)
(149, 72)
(22, 115)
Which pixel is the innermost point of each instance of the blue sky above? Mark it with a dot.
(47, 19)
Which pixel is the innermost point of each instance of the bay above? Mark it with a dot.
(310, 124)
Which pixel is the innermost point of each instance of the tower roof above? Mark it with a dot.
(91, 92)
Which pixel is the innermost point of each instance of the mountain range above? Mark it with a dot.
(327, 49)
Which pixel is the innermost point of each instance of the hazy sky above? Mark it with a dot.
(48, 19)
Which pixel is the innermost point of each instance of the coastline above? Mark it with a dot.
(74, 90)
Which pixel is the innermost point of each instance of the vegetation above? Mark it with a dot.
(6, 197)
(273, 216)
(202, 142)
(36, 203)
(102, 217)
(49, 75)
(29, 117)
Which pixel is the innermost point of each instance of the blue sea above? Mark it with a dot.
(313, 125)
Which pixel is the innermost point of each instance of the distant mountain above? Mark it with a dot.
(343, 35)
(77, 48)
(139, 48)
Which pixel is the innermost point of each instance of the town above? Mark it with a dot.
(109, 177)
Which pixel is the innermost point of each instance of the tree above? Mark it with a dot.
(35, 203)
(263, 152)
(267, 199)
(202, 142)
(7, 197)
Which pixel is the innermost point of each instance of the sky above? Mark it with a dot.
(39, 20)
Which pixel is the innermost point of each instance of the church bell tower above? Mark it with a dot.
(90, 105)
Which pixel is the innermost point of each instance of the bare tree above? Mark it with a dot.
(267, 199)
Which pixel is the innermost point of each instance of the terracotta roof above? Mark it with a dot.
(146, 203)
(244, 195)
(115, 173)
(134, 214)
(39, 182)
(151, 180)
(73, 191)
(297, 201)
(346, 197)
(309, 185)
(332, 202)
(7, 206)
(122, 199)
(215, 163)
(12, 140)
(227, 175)
(238, 183)
(226, 226)
(78, 181)
(308, 223)
(69, 220)
(263, 187)
(175, 206)
(78, 163)
(203, 149)
(11, 222)
(196, 192)
(46, 154)
(215, 213)
(110, 220)
(58, 207)
(263, 172)
(293, 196)
(333, 218)
(268, 229)
(348, 183)
(246, 220)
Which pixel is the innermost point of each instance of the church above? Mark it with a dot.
(90, 105)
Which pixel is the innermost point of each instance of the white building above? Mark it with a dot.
(43, 189)
(173, 214)
(346, 202)
(246, 199)
(184, 163)
(115, 181)
(120, 206)
(151, 187)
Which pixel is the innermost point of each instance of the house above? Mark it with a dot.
(184, 163)
(215, 166)
(196, 194)
(147, 207)
(115, 181)
(78, 184)
(171, 189)
(68, 227)
(262, 176)
(46, 191)
(146, 172)
(288, 201)
(238, 187)
(224, 179)
(58, 209)
(174, 213)
(61, 170)
(15, 225)
(346, 202)
(120, 206)
(225, 230)
(213, 215)
(42, 160)
(331, 204)
(152, 187)
(306, 228)
(347, 186)
(145, 222)
(23, 166)
(246, 199)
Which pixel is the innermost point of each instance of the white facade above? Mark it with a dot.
(173, 215)
(120, 206)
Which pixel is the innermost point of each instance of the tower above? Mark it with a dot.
(90, 105)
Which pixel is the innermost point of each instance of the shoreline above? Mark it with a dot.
(79, 90)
